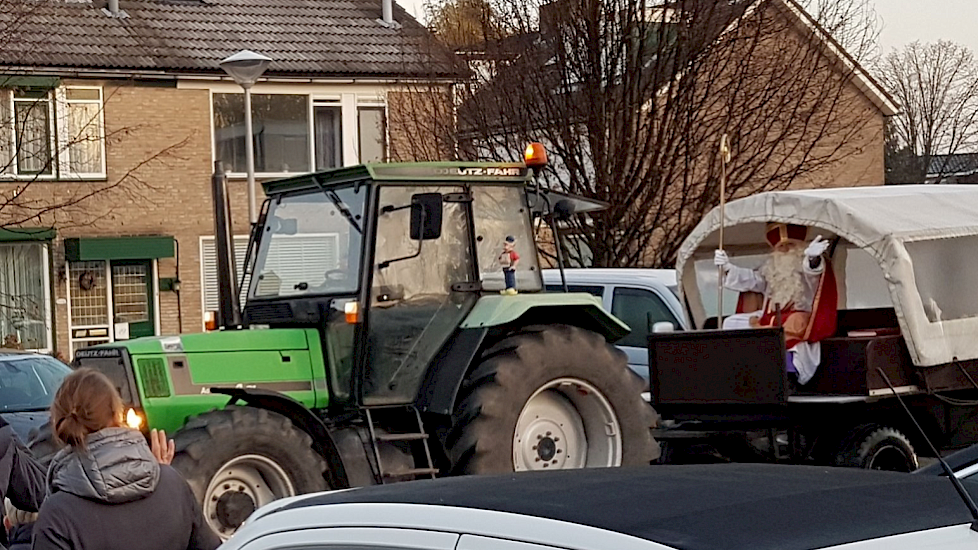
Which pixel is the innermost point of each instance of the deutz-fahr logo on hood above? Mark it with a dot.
(490, 171)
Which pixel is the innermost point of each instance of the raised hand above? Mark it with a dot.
(163, 449)
(720, 258)
(817, 247)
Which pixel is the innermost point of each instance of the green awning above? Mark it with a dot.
(20, 81)
(118, 248)
(13, 234)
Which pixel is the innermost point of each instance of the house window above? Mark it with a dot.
(280, 126)
(329, 136)
(83, 144)
(29, 145)
(373, 134)
(25, 301)
(208, 272)
(299, 133)
(32, 131)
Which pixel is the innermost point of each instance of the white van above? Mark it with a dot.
(639, 297)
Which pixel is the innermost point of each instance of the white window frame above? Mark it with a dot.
(375, 104)
(11, 101)
(64, 137)
(335, 102)
(48, 304)
(58, 103)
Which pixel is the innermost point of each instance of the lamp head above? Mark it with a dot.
(245, 67)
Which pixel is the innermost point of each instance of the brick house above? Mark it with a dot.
(113, 115)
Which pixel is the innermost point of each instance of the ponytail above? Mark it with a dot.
(85, 403)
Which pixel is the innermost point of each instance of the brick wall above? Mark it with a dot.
(158, 147)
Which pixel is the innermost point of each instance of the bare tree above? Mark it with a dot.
(937, 88)
(463, 23)
(631, 98)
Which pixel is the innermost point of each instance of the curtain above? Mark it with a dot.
(85, 145)
(23, 298)
(33, 122)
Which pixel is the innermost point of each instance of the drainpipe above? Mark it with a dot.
(387, 19)
(113, 10)
(229, 310)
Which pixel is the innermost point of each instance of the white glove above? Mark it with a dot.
(720, 258)
(817, 247)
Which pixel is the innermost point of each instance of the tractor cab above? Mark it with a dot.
(397, 253)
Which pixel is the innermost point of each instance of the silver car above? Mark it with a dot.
(725, 506)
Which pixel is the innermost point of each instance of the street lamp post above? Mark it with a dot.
(246, 67)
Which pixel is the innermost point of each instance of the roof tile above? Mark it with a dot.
(303, 37)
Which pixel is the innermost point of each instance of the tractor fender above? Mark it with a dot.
(576, 309)
(303, 418)
(444, 378)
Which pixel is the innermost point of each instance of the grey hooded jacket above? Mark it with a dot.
(115, 495)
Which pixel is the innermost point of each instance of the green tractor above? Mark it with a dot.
(379, 343)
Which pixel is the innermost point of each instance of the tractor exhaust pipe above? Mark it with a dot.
(229, 310)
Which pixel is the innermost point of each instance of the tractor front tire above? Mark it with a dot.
(241, 458)
(551, 397)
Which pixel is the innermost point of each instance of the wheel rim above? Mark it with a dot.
(241, 486)
(567, 423)
(890, 458)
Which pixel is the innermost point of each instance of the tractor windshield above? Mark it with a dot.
(311, 244)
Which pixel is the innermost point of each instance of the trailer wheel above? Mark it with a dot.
(241, 458)
(551, 397)
(876, 447)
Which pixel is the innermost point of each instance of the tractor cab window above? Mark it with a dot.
(422, 250)
(311, 244)
(501, 212)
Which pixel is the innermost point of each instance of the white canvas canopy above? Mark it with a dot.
(923, 238)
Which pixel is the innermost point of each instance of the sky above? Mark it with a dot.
(902, 21)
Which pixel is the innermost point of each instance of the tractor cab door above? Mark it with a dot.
(423, 247)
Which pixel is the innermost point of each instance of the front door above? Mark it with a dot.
(413, 309)
(132, 299)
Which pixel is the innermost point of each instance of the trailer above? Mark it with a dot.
(907, 324)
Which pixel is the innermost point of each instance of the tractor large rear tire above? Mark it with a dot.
(241, 458)
(551, 397)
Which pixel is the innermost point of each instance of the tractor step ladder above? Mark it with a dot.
(412, 438)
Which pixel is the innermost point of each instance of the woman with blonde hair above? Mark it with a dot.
(106, 489)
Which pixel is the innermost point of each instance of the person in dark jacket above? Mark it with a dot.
(106, 489)
(21, 476)
(19, 525)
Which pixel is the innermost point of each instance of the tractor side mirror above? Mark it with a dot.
(564, 209)
(426, 210)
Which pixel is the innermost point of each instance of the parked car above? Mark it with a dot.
(28, 382)
(639, 297)
(963, 463)
(730, 506)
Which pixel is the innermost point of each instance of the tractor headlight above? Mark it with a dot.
(133, 419)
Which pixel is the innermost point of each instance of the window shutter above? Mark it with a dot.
(302, 258)
(208, 265)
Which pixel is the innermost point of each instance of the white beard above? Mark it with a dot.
(782, 273)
